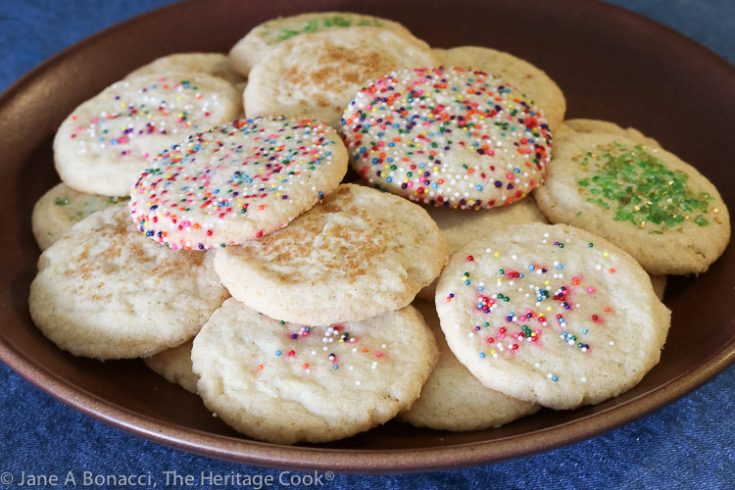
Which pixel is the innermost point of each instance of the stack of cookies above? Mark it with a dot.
(207, 223)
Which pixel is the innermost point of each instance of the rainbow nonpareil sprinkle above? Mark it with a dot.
(447, 137)
(236, 182)
(518, 301)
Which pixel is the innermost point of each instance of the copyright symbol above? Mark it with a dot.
(6, 478)
(329, 476)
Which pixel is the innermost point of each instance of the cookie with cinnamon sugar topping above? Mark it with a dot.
(357, 254)
(105, 291)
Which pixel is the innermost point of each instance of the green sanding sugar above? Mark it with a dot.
(640, 189)
(315, 25)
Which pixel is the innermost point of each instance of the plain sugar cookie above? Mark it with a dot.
(286, 383)
(551, 314)
(317, 75)
(237, 182)
(357, 254)
(104, 144)
(659, 286)
(60, 208)
(215, 64)
(460, 227)
(175, 366)
(645, 200)
(586, 126)
(453, 399)
(527, 78)
(447, 137)
(256, 45)
(105, 291)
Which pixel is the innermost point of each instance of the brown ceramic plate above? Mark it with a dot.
(611, 65)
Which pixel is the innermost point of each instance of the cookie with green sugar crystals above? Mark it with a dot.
(645, 200)
(60, 208)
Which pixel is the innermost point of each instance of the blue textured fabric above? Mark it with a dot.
(688, 444)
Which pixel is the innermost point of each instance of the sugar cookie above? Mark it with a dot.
(106, 142)
(60, 208)
(286, 383)
(318, 74)
(357, 254)
(585, 126)
(551, 314)
(105, 291)
(527, 78)
(447, 137)
(460, 227)
(215, 64)
(237, 182)
(256, 45)
(175, 365)
(645, 200)
(453, 399)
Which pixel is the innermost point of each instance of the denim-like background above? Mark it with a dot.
(688, 444)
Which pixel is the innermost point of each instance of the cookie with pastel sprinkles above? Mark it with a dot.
(357, 254)
(453, 399)
(460, 227)
(551, 314)
(527, 78)
(215, 64)
(105, 291)
(317, 75)
(237, 182)
(175, 365)
(644, 199)
(289, 382)
(60, 208)
(257, 44)
(104, 144)
(447, 137)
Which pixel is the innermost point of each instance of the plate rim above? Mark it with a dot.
(357, 460)
(371, 461)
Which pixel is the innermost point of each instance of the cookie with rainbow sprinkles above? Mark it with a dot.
(448, 137)
(551, 314)
(104, 144)
(237, 182)
(289, 382)
(527, 78)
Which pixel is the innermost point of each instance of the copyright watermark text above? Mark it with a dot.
(167, 478)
